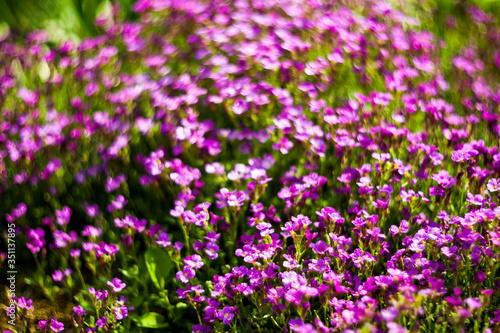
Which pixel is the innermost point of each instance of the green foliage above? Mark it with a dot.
(63, 19)
(151, 320)
(159, 266)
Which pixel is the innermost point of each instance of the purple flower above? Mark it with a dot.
(473, 303)
(265, 229)
(395, 328)
(25, 304)
(117, 204)
(163, 240)
(186, 274)
(101, 295)
(240, 106)
(493, 185)
(100, 323)
(297, 325)
(58, 276)
(236, 199)
(78, 311)
(144, 125)
(389, 314)
(35, 240)
(460, 156)
(42, 324)
(212, 236)
(211, 250)
(444, 179)
(226, 315)
(113, 183)
(199, 328)
(91, 232)
(194, 261)
(437, 191)
(121, 312)
(404, 227)
(320, 247)
(27, 96)
(178, 246)
(56, 326)
(477, 199)
(358, 257)
(436, 158)
(63, 216)
(92, 210)
(283, 146)
(116, 284)
(383, 281)
(464, 313)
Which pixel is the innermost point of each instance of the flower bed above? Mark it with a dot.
(295, 166)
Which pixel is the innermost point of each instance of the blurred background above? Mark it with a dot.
(74, 19)
(63, 19)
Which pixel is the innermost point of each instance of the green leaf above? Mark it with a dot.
(132, 272)
(137, 301)
(159, 266)
(181, 305)
(164, 304)
(151, 320)
(84, 303)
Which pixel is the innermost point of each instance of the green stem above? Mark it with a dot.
(186, 236)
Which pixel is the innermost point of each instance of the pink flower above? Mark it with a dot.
(56, 326)
(493, 185)
(116, 284)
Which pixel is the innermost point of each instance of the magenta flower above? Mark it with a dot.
(226, 315)
(265, 229)
(163, 240)
(444, 179)
(117, 204)
(473, 303)
(186, 274)
(56, 326)
(460, 156)
(437, 191)
(78, 311)
(283, 146)
(42, 324)
(358, 257)
(403, 228)
(58, 276)
(436, 158)
(121, 312)
(493, 185)
(211, 250)
(101, 295)
(100, 323)
(240, 106)
(194, 261)
(320, 247)
(116, 284)
(25, 304)
(35, 240)
(199, 328)
(236, 199)
(477, 199)
(63, 216)
(297, 325)
(28, 96)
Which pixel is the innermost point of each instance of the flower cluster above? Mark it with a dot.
(291, 166)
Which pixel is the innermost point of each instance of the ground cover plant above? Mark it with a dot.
(253, 166)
